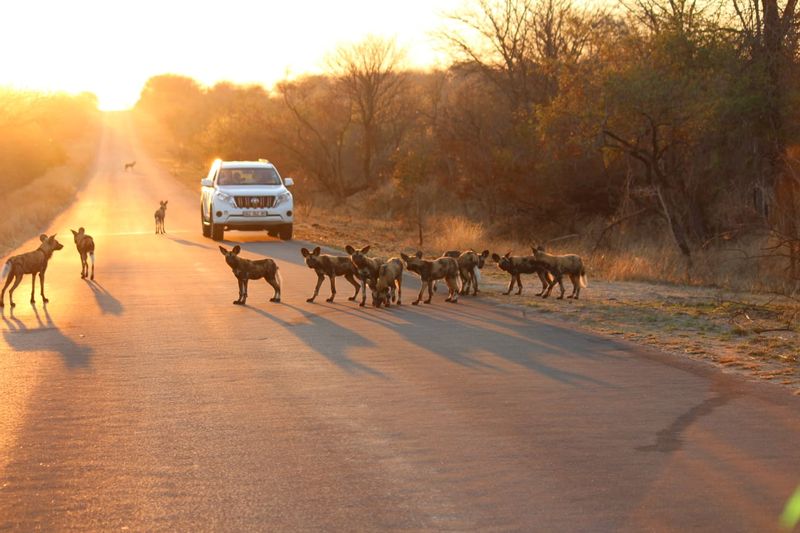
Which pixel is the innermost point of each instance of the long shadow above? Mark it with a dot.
(47, 337)
(327, 338)
(441, 328)
(184, 242)
(670, 439)
(107, 303)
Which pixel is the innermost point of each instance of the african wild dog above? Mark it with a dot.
(516, 265)
(33, 263)
(558, 265)
(331, 266)
(161, 213)
(469, 265)
(366, 268)
(247, 269)
(130, 165)
(85, 245)
(430, 270)
(389, 284)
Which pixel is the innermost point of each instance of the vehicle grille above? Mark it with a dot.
(255, 202)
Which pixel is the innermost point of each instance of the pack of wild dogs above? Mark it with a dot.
(35, 262)
(460, 271)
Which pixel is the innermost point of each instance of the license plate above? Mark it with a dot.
(255, 213)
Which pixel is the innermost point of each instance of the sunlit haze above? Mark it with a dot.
(110, 48)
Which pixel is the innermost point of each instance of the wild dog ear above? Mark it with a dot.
(316, 251)
(42, 237)
(166, 202)
(52, 237)
(223, 250)
(496, 257)
(303, 251)
(349, 249)
(419, 254)
(485, 253)
(236, 250)
(404, 257)
(507, 255)
(74, 232)
(365, 249)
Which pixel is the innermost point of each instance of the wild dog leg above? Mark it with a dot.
(419, 296)
(33, 288)
(354, 283)
(519, 283)
(277, 287)
(510, 285)
(9, 279)
(333, 289)
(543, 279)
(244, 287)
(430, 292)
(399, 292)
(41, 285)
(17, 281)
(238, 301)
(363, 291)
(320, 279)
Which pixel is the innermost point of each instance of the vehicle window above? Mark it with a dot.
(248, 176)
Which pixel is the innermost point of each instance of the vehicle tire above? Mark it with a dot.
(272, 232)
(206, 227)
(285, 233)
(217, 231)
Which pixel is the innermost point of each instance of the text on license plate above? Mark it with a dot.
(255, 213)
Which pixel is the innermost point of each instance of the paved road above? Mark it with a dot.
(146, 401)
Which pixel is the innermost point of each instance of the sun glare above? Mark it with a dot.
(112, 48)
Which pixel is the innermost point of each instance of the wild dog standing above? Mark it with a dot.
(558, 265)
(33, 263)
(85, 245)
(469, 265)
(366, 268)
(247, 269)
(161, 213)
(430, 270)
(130, 165)
(331, 266)
(516, 265)
(389, 284)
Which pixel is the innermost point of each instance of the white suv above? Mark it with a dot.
(247, 196)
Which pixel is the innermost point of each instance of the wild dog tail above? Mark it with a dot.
(477, 272)
(91, 256)
(6, 269)
(584, 281)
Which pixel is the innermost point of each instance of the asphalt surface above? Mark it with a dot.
(145, 400)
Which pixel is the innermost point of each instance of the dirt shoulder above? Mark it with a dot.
(744, 333)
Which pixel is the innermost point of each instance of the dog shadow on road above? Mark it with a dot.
(326, 338)
(45, 337)
(184, 242)
(107, 303)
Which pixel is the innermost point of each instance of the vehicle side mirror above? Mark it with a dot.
(206, 182)
(288, 182)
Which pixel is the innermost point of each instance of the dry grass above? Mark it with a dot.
(36, 204)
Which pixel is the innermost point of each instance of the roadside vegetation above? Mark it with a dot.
(47, 144)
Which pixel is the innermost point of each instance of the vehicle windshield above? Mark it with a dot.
(248, 176)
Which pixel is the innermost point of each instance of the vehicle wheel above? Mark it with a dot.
(217, 231)
(206, 227)
(285, 233)
(272, 232)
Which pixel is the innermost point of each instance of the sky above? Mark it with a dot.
(111, 47)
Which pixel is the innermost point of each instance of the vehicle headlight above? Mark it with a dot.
(223, 197)
(282, 198)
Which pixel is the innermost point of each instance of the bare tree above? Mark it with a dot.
(369, 74)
